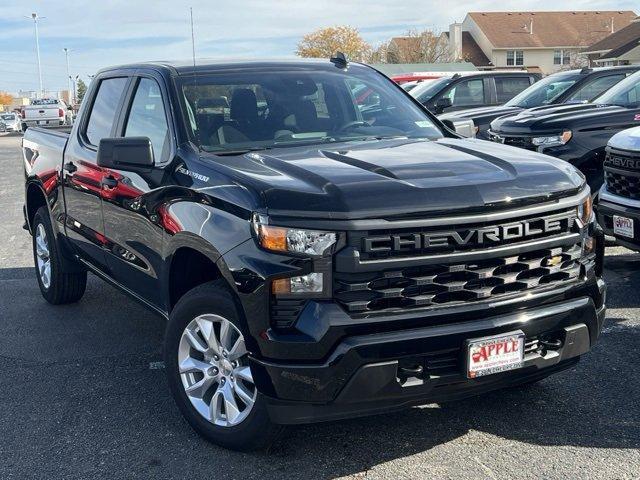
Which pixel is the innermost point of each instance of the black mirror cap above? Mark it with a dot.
(125, 153)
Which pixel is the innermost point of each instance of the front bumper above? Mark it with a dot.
(610, 205)
(363, 374)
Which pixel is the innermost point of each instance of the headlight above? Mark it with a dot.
(292, 240)
(552, 140)
(585, 210)
(310, 283)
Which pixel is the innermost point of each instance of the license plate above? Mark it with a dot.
(623, 226)
(42, 122)
(495, 354)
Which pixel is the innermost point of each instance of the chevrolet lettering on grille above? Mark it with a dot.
(484, 236)
(622, 162)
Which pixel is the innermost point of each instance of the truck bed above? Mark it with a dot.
(49, 143)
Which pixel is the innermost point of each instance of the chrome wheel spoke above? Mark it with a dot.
(238, 349)
(225, 334)
(200, 388)
(195, 341)
(209, 333)
(191, 365)
(231, 409)
(243, 373)
(243, 394)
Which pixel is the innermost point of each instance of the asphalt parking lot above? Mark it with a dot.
(82, 395)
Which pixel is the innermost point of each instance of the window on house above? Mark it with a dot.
(561, 57)
(515, 57)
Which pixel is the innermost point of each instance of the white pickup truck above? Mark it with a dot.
(45, 112)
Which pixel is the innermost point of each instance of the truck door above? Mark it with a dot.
(131, 217)
(83, 179)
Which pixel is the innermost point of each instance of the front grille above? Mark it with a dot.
(625, 184)
(446, 284)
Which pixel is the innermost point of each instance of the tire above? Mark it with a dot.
(213, 302)
(60, 282)
(24, 127)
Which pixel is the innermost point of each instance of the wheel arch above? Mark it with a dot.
(192, 261)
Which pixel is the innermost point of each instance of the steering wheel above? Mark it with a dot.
(353, 123)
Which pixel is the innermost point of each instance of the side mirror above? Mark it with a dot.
(443, 103)
(127, 153)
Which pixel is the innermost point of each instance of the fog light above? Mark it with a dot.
(311, 283)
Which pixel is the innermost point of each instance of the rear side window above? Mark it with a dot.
(594, 88)
(104, 110)
(509, 87)
(467, 93)
(147, 118)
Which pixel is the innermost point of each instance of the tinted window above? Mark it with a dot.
(625, 93)
(467, 92)
(592, 89)
(545, 91)
(103, 112)
(509, 87)
(280, 108)
(147, 118)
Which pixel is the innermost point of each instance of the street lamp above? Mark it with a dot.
(35, 18)
(66, 54)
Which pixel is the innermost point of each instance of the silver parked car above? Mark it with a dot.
(10, 122)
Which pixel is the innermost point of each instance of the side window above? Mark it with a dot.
(104, 110)
(147, 118)
(509, 87)
(594, 88)
(467, 92)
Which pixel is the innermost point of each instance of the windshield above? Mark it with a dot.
(626, 93)
(9, 116)
(252, 110)
(426, 90)
(543, 92)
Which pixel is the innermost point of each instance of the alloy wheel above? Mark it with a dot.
(43, 256)
(213, 366)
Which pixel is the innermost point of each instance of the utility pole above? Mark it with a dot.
(35, 18)
(66, 54)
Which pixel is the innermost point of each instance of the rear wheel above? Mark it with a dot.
(59, 281)
(208, 370)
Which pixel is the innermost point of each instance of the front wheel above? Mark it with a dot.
(209, 374)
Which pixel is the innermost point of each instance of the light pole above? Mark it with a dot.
(66, 54)
(35, 18)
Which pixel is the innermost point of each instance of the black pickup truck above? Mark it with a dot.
(575, 133)
(321, 246)
(572, 86)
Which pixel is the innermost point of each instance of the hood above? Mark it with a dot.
(397, 177)
(482, 112)
(553, 118)
(626, 140)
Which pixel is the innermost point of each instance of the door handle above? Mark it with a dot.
(109, 181)
(70, 167)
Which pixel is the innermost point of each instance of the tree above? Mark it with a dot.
(325, 42)
(426, 46)
(81, 90)
(5, 99)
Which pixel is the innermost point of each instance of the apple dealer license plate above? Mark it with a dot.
(623, 226)
(496, 354)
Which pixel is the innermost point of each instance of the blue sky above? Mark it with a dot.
(120, 31)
